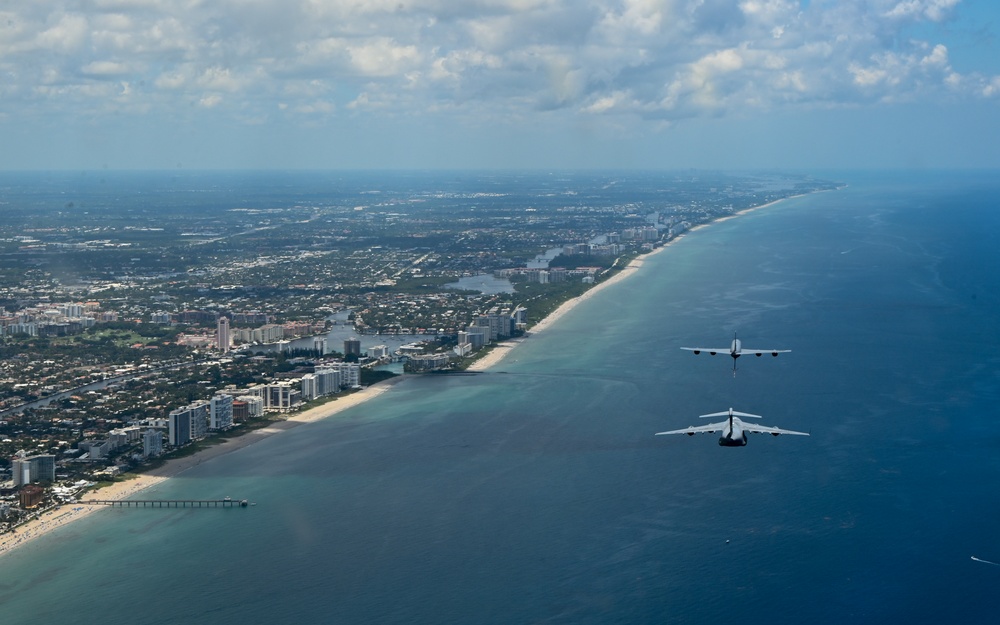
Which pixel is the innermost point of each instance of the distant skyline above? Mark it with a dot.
(511, 84)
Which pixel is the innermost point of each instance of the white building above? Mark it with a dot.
(350, 373)
(330, 380)
(278, 396)
(221, 412)
(308, 387)
(427, 362)
(188, 423)
(152, 443)
(255, 405)
(477, 336)
(222, 339)
(28, 469)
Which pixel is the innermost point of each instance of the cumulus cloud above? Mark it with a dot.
(646, 59)
(105, 68)
(210, 101)
(934, 10)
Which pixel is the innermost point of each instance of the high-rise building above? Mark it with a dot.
(308, 387)
(199, 419)
(269, 333)
(31, 496)
(188, 423)
(276, 396)
(222, 335)
(331, 379)
(281, 396)
(221, 412)
(33, 469)
(179, 429)
(477, 336)
(350, 374)
(241, 411)
(328, 381)
(152, 443)
(254, 405)
(352, 346)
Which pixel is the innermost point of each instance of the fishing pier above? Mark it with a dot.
(228, 502)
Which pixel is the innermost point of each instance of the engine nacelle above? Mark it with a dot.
(696, 351)
(710, 353)
(775, 354)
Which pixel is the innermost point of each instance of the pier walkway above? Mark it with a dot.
(168, 503)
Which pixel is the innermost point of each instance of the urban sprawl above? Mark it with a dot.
(130, 336)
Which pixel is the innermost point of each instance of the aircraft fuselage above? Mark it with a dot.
(733, 436)
(740, 441)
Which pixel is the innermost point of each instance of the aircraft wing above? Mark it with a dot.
(711, 350)
(761, 352)
(699, 429)
(763, 429)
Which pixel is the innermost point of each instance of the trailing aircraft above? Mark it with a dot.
(734, 430)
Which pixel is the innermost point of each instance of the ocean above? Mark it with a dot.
(538, 493)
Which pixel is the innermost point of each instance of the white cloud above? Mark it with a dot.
(934, 10)
(317, 107)
(992, 87)
(643, 17)
(67, 34)
(210, 101)
(698, 83)
(619, 100)
(221, 79)
(172, 81)
(488, 59)
(937, 58)
(105, 68)
(383, 57)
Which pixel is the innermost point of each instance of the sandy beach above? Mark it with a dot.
(502, 349)
(68, 513)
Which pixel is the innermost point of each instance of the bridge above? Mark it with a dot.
(228, 502)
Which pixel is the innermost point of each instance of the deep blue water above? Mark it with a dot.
(537, 493)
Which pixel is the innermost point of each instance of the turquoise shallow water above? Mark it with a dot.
(537, 493)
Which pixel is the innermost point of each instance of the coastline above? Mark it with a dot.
(67, 513)
(502, 349)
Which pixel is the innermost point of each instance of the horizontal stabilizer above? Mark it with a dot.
(726, 413)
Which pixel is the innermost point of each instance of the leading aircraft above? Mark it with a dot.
(734, 430)
(736, 350)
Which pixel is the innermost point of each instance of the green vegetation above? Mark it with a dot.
(542, 299)
(382, 248)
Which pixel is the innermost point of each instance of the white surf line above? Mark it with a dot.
(984, 561)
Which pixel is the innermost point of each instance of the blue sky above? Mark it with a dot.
(538, 84)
